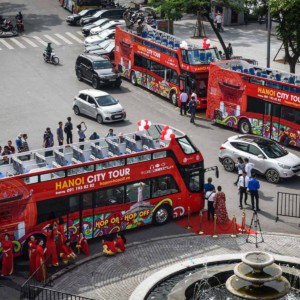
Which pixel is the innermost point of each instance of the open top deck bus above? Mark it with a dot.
(254, 99)
(96, 186)
(156, 61)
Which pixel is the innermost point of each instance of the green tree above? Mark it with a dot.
(174, 9)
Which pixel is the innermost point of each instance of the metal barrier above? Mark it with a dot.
(288, 205)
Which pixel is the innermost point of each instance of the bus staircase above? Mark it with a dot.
(288, 205)
(33, 289)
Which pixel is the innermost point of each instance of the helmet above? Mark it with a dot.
(49, 44)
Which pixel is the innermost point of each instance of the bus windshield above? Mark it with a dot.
(202, 56)
(187, 146)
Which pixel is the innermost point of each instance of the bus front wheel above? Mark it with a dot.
(133, 78)
(161, 215)
(244, 126)
(174, 98)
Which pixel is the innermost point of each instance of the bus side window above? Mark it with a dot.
(137, 60)
(73, 204)
(132, 191)
(164, 185)
(184, 57)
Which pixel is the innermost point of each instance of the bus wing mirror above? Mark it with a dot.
(217, 172)
(215, 168)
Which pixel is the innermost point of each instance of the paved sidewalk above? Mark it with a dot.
(117, 277)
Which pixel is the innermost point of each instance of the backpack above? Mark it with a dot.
(287, 141)
(67, 128)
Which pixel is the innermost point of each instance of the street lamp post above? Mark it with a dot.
(269, 37)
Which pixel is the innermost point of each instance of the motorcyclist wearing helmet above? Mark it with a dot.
(48, 51)
(19, 16)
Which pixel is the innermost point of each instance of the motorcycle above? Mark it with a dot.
(53, 58)
(8, 27)
(19, 26)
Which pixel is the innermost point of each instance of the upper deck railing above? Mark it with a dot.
(104, 150)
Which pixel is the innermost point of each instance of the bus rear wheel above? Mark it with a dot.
(161, 215)
(244, 126)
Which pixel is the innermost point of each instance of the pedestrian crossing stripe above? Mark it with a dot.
(5, 43)
(74, 37)
(29, 42)
(17, 43)
(63, 38)
(40, 40)
(49, 38)
(80, 33)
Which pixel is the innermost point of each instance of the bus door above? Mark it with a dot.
(271, 120)
(182, 83)
(145, 67)
(195, 188)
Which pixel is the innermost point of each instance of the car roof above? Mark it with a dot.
(93, 57)
(94, 93)
(250, 138)
(117, 22)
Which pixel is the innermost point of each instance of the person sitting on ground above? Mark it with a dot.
(109, 246)
(82, 244)
(67, 255)
(120, 242)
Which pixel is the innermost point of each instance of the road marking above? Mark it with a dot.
(29, 42)
(17, 43)
(40, 40)
(74, 37)
(80, 33)
(5, 43)
(49, 38)
(63, 38)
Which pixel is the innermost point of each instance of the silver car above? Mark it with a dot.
(268, 157)
(99, 105)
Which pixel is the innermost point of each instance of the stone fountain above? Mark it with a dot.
(258, 277)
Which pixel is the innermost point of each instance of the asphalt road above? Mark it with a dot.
(36, 95)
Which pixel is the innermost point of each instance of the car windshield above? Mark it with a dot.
(103, 35)
(106, 26)
(104, 44)
(107, 100)
(97, 14)
(110, 47)
(100, 22)
(102, 64)
(272, 150)
(83, 12)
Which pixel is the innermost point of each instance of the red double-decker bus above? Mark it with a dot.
(254, 99)
(163, 63)
(100, 187)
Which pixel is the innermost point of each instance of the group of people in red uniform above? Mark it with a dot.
(111, 247)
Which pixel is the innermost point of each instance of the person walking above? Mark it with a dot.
(32, 254)
(248, 167)
(210, 197)
(50, 245)
(208, 185)
(25, 143)
(192, 108)
(7, 258)
(241, 167)
(41, 274)
(219, 22)
(183, 101)
(68, 131)
(19, 141)
(243, 186)
(253, 188)
(60, 134)
(11, 148)
(229, 50)
(220, 207)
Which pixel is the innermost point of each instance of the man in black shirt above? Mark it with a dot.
(68, 130)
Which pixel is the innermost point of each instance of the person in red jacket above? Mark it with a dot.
(67, 253)
(120, 242)
(50, 245)
(61, 235)
(41, 274)
(7, 259)
(109, 246)
(32, 254)
(82, 244)
(283, 137)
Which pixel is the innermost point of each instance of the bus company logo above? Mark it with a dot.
(157, 168)
(148, 51)
(201, 68)
(279, 95)
(186, 159)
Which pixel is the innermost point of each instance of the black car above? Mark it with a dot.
(103, 14)
(97, 70)
(75, 18)
(87, 28)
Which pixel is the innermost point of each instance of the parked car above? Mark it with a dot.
(103, 14)
(99, 105)
(109, 25)
(99, 46)
(75, 18)
(96, 39)
(97, 70)
(86, 29)
(108, 52)
(268, 157)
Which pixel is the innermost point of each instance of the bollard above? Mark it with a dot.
(188, 225)
(242, 229)
(200, 229)
(233, 232)
(215, 227)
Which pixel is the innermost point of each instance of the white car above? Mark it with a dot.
(268, 157)
(96, 39)
(109, 25)
(99, 105)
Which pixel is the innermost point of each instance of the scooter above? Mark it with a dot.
(19, 26)
(53, 58)
(7, 27)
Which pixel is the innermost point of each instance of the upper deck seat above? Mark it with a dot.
(252, 72)
(278, 77)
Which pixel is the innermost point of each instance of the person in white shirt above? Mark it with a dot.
(248, 167)
(210, 197)
(243, 186)
(219, 21)
(183, 101)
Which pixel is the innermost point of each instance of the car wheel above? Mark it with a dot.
(161, 215)
(174, 98)
(272, 176)
(118, 84)
(79, 75)
(76, 110)
(244, 126)
(133, 78)
(99, 119)
(228, 164)
(95, 83)
(78, 23)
